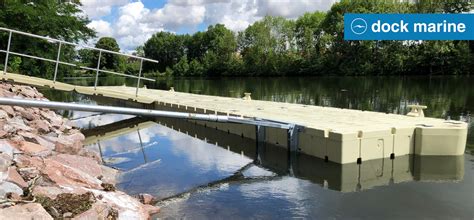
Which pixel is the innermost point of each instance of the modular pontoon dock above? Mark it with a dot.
(338, 135)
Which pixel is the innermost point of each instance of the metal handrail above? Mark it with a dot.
(142, 112)
(74, 44)
(57, 61)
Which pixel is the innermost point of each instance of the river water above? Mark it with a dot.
(202, 173)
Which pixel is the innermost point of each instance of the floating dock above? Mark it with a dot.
(350, 177)
(334, 134)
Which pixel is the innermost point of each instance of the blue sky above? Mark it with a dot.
(147, 3)
(132, 22)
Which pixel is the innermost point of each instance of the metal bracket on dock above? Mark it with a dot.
(293, 136)
(260, 143)
(260, 129)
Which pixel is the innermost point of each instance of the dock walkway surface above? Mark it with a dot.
(338, 135)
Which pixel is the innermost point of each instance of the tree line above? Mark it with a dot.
(312, 44)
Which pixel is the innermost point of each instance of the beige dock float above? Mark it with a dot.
(339, 135)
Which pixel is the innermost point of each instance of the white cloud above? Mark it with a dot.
(239, 14)
(236, 15)
(98, 8)
(174, 17)
(102, 27)
(292, 8)
(134, 23)
(195, 2)
(129, 28)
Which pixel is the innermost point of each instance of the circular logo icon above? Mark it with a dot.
(358, 26)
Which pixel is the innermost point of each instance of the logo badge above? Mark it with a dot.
(409, 26)
(358, 26)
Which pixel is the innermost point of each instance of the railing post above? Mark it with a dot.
(100, 152)
(139, 76)
(141, 146)
(57, 63)
(8, 52)
(97, 70)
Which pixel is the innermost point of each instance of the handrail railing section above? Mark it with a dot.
(57, 61)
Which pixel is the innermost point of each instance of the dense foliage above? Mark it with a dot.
(108, 60)
(53, 18)
(313, 44)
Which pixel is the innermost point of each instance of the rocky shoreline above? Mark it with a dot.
(45, 173)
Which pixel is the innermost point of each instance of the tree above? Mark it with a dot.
(457, 6)
(268, 46)
(310, 41)
(86, 57)
(139, 51)
(165, 47)
(48, 18)
(312, 44)
(359, 57)
(197, 45)
(221, 45)
(182, 67)
(195, 68)
(308, 33)
(107, 60)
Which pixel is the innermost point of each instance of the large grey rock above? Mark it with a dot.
(146, 198)
(17, 138)
(40, 125)
(109, 175)
(5, 162)
(6, 187)
(3, 114)
(43, 142)
(27, 135)
(53, 191)
(3, 133)
(70, 144)
(52, 118)
(7, 148)
(8, 109)
(26, 161)
(34, 138)
(127, 206)
(16, 124)
(28, 92)
(29, 114)
(34, 149)
(73, 171)
(31, 211)
(14, 177)
(99, 210)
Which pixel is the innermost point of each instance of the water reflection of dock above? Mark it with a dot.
(116, 129)
(341, 177)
